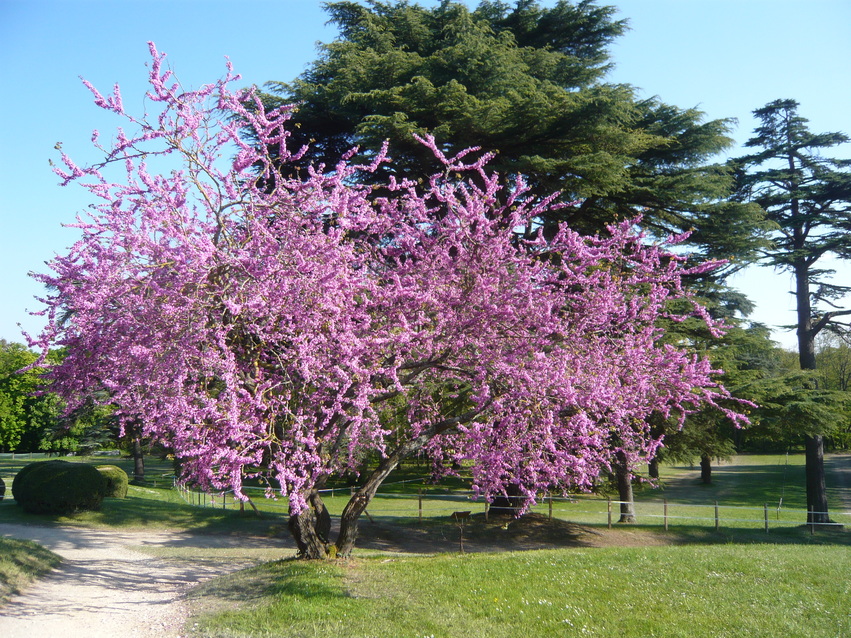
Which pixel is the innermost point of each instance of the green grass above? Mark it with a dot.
(727, 590)
(745, 480)
(701, 583)
(741, 487)
(21, 562)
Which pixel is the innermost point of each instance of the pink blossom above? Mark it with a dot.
(287, 329)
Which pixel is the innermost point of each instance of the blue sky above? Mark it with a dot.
(726, 57)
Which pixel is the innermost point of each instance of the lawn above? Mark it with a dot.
(694, 592)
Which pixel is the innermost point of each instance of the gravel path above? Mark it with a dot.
(105, 589)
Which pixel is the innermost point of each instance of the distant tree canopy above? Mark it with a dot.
(24, 415)
(525, 82)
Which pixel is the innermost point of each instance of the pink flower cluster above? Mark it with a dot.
(286, 329)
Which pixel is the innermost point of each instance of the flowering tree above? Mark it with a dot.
(282, 329)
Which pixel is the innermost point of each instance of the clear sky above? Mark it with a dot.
(726, 57)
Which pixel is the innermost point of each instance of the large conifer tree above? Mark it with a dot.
(808, 196)
(528, 83)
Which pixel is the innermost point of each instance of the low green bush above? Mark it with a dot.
(58, 487)
(116, 480)
(2, 489)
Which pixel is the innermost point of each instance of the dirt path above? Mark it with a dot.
(106, 589)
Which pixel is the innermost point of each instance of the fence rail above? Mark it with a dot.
(592, 511)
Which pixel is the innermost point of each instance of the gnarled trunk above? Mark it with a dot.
(311, 528)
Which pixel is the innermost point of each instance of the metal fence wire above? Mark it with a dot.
(440, 503)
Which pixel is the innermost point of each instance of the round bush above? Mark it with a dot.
(21, 476)
(116, 480)
(58, 487)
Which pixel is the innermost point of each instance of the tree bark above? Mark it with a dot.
(816, 488)
(653, 469)
(138, 461)
(509, 504)
(624, 481)
(706, 470)
(311, 528)
(817, 511)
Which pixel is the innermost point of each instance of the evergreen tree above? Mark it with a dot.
(808, 197)
(525, 82)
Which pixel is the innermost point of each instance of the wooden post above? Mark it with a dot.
(765, 509)
(420, 503)
(717, 519)
(665, 513)
(609, 508)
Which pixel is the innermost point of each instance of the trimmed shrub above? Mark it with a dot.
(116, 480)
(2, 489)
(20, 477)
(58, 487)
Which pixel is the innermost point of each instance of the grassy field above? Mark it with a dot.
(694, 592)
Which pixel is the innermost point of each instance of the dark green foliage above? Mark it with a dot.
(116, 480)
(2, 489)
(58, 487)
(525, 82)
(807, 196)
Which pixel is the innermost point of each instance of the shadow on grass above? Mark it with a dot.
(735, 485)
(139, 513)
(290, 578)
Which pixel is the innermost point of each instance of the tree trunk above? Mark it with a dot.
(511, 503)
(624, 481)
(653, 469)
(816, 489)
(706, 469)
(138, 461)
(360, 500)
(814, 443)
(311, 528)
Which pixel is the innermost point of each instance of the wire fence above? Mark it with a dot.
(435, 502)
(444, 503)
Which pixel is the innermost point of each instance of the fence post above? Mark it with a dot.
(717, 520)
(420, 503)
(765, 508)
(609, 510)
(665, 513)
